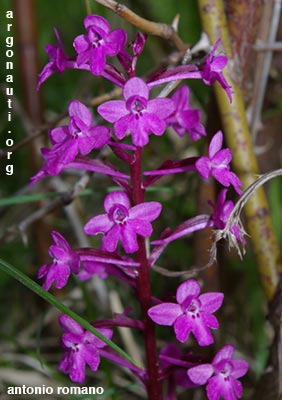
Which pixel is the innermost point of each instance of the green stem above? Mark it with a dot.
(29, 283)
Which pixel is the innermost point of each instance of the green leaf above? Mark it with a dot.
(37, 197)
(25, 280)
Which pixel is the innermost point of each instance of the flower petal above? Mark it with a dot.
(141, 227)
(240, 368)
(113, 110)
(116, 197)
(78, 109)
(165, 313)
(115, 42)
(98, 224)
(190, 288)
(111, 238)
(225, 353)
(161, 107)
(59, 134)
(215, 144)
(128, 237)
(135, 86)
(211, 301)
(148, 211)
(183, 327)
(99, 23)
(70, 325)
(200, 374)
(203, 166)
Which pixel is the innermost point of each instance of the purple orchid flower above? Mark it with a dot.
(58, 60)
(211, 71)
(192, 314)
(217, 164)
(222, 375)
(222, 210)
(82, 347)
(98, 42)
(80, 136)
(137, 114)
(122, 222)
(185, 118)
(64, 262)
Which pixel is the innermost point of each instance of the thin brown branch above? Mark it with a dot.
(154, 28)
(62, 201)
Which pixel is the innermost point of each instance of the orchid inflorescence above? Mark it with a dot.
(127, 221)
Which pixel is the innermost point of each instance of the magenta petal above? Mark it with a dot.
(135, 86)
(161, 107)
(188, 118)
(98, 224)
(202, 332)
(181, 97)
(200, 374)
(116, 40)
(91, 356)
(215, 389)
(97, 60)
(141, 227)
(190, 288)
(211, 301)
(219, 63)
(111, 238)
(139, 131)
(80, 43)
(99, 23)
(123, 125)
(94, 340)
(183, 326)
(70, 325)
(240, 368)
(210, 320)
(60, 240)
(165, 313)
(148, 211)
(215, 144)
(116, 197)
(222, 158)
(152, 123)
(225, 353)
(112, 110)
(128, 237)
(222, 175)
(59, 134)
(83, 57)
(237, 388)
(57, 252)
(203, 166)
(77, 109)
(77, 368)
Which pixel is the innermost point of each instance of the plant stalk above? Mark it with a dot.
(237, 135)
(144, 287)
